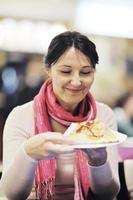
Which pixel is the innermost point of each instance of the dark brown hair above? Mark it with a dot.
(64, 41)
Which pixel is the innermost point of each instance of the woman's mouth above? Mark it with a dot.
(72, 90)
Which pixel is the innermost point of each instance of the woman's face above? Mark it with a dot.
(72, 76)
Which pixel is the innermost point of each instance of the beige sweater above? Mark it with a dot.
(18, 168)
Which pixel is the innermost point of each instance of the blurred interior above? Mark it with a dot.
(26, 28)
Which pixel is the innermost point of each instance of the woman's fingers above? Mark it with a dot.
(58, 138)
(46, 145)
(58, 148)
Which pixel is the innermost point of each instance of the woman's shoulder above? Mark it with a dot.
(23, 109)
(106, 114)
(22, 115)
(103, 107)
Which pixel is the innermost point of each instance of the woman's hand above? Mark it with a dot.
(96, 157)
(47, 145)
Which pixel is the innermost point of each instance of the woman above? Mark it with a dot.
(36, 154)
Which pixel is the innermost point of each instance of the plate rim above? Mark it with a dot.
(121, 137)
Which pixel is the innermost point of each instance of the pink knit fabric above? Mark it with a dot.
(45, 104)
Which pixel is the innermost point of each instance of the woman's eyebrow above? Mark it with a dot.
(86, 66)
(67, 66)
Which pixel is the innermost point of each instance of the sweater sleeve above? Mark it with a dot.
(103, 182)
(106, 114)
(18, 167)
(104, 179)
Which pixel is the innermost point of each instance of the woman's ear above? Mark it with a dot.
(47, 71)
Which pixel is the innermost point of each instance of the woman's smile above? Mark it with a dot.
(72, 90)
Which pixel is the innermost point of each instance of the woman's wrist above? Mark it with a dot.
(96, 163)
(96, 157)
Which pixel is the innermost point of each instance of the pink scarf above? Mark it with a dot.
(45, 104)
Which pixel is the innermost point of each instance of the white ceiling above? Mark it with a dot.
(77, 14)
(52, 10)
(62, 10)
(110, 18)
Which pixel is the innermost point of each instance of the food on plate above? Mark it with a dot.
(93, 131)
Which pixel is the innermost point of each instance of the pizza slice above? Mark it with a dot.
(94, 131)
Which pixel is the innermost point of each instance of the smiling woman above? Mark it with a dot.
(76, 77)
(34, 140)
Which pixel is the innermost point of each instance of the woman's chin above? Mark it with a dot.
(70, 103)
(70, 106)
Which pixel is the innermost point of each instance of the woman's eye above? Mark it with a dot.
(65, 72)
(87, 72)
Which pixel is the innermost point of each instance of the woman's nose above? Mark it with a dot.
(76, 81)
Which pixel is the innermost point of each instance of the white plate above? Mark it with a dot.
(121, 138)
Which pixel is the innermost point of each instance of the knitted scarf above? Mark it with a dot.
(45, 106)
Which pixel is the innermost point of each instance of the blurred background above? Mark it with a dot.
(27, 27)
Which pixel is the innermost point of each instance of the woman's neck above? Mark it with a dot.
(57, 127)
(68, 107)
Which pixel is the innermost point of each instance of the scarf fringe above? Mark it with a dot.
(46, 190)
